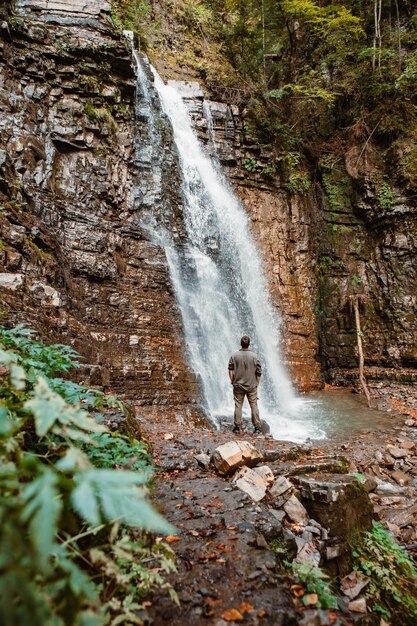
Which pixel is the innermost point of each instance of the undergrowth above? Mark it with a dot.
(313, 580)
(77, 543)
(393, 577)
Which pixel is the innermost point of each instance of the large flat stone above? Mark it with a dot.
(280, 486)
(296, 511)
(252, 483)
(231, 455)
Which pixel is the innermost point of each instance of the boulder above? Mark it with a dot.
(352, 584)
(231, 455)
(358, 605)
(338, 502)
(396, 452)
(296, 511)
(401, 478)
(11, 281)
(203, 460)
(251, 482)
(280, 486)
(308, 553)
(341, 505)
(266, 473)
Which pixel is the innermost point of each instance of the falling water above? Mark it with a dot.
(218, 278)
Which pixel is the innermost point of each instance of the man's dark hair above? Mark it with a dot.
(245, 341)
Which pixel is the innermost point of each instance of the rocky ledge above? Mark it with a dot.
(242, 504)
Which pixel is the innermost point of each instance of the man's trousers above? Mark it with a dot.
(238, 397)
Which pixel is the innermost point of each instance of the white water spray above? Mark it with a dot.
(218, 279)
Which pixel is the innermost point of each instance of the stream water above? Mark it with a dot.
(218, 279)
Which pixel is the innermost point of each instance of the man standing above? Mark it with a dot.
(245, 373)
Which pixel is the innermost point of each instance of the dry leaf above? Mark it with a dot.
(297, 591)
(213, 601)
(245, 608)
(311, 599)
(261, 613)
(172, 538)
(194, 533)
(232, 615)
(168, 436)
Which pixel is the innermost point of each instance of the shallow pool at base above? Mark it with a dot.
(321, 415)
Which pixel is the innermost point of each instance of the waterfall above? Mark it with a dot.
(217, 276)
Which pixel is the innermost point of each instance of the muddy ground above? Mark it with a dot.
(226, 572)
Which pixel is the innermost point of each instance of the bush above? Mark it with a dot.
(73, 546)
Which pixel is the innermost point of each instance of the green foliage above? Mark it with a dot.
(299, 183)
(35, 356)
(327, 264)
(337, 186)
(118, 451)
(314, 580)
(72, 543)
(385, 196)
(393, 584)
(102, 116)
(251, 165)
(132, 15)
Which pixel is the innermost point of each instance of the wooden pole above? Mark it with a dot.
(355, 303)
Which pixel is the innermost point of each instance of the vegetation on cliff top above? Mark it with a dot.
(72, 523)
(314, 77)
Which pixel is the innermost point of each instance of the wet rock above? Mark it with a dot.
(397, 453)
(203, 460)
(280, 486)
(11, 281)
(266, 473)
(296, 511)
(401, 478)
(334, 552)
(358, 605)
(386, 488)
(403, 517)
(252, 483)
(308, 553)
(352, 584)
(341, 505)
(231, 455)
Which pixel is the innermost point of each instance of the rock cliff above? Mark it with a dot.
(76, 262)
(76, 188)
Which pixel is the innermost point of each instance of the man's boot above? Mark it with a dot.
(237, 429)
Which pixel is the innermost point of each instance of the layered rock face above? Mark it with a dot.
(341, 240)
(367, 249)
(76, 261)
(79, 188)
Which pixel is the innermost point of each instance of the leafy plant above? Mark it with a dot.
(113, 450)
(73, 547)
(314, 580)
(393, 584)
(385, 196)
(36, 356)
